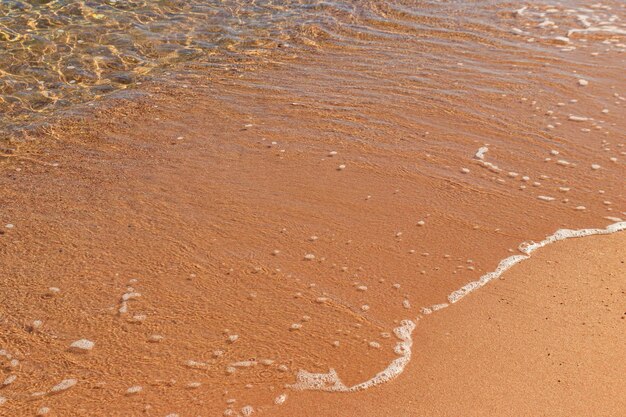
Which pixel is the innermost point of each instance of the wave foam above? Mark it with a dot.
(332, 383)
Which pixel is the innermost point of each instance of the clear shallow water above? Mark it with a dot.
(55, 54)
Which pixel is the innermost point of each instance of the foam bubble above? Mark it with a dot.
(331, 382)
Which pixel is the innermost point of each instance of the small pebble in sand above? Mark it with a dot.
(396, 286)
(583, 82)
(321, 300)
(374, 345)
(465, 170)
(341, 167)
(280, 399)
(193, 385)
(232, 338)
(64, 385)
(361, 288)
(275, 252)
(43, 411)
(406, 304)
(421, 223)
(9, 226)
(134, 390)
(577, 118)
(155, 338)
(332, 153)
(309, 256)
(564, 189)
(283, 368)
(605, 111)
(336, 343)
(595, 166)
(581, 208)
(313, 238)
(37, 324)
(82, 346)
(553, 152)
(295, 326)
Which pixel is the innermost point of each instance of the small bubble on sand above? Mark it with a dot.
(374, 345)
(581, 208)
(545, 198)
(341, 167)
(194, 364)
(313, 238)
(247, 411)
(37, 324)
(218, 353)
(280, 399)
(309, 256)
(9, 380)
(64, 385)
(82, 346)
(583, 82)
(139, 318)
(332, 153)
(365, 307)
(9, 226)
(295, 326)
(134, 390)
(54, 290)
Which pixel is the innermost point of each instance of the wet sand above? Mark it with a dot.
(209, 267)
(199, 243)
(545, 339)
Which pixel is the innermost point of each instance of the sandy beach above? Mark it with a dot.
(302, 218)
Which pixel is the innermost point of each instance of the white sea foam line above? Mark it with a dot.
(331, 382)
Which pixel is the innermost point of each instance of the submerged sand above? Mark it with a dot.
(179, 241)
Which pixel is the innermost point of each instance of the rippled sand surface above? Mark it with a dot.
(223, 208)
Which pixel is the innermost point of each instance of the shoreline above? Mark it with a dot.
(495, 354)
